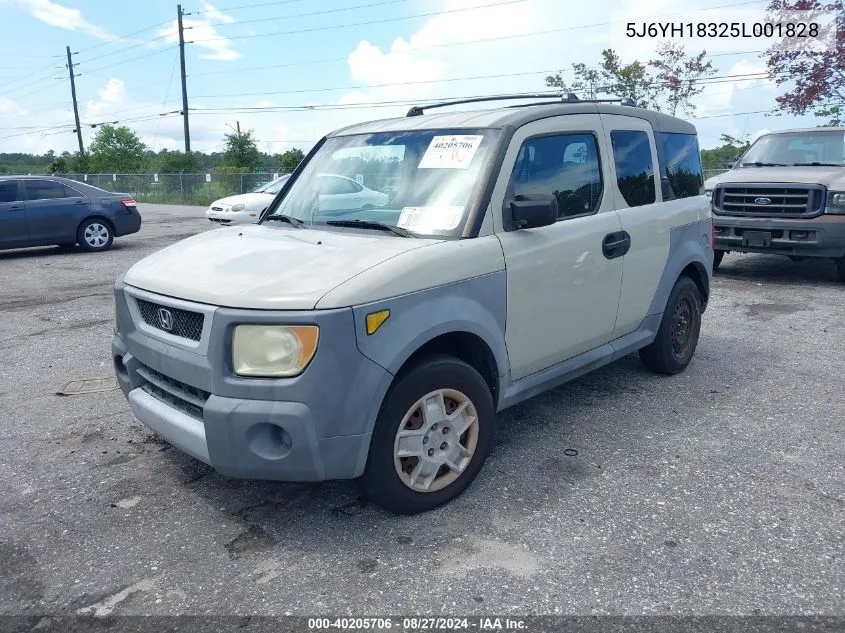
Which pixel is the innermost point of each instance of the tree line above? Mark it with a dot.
(119, 149)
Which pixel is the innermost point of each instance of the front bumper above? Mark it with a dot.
(313, 427)
(232, 217)
(822, 236)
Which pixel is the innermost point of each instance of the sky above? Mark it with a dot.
(293, 70)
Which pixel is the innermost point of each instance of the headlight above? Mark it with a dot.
(238, 207)
(273, 351)
(835, 203)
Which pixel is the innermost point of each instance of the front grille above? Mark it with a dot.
(769, 200)
(216, 208)
(219, 221)
(178, 395)
(183, 323)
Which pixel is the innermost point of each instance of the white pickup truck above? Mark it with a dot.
(516, 248)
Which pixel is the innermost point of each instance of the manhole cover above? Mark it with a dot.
(90, 385)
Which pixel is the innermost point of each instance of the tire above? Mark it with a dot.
(669, 354)
(95, 235)
(464, 392)
(717, 259)
(840, 269)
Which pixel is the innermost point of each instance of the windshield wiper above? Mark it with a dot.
(818, 164)
(763, 164)
(279, 217)
(372, 224)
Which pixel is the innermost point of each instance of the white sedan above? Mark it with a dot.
(245, 208)
(336, 193)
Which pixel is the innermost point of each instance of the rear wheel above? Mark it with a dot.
(676, 340)
(431, 438)
(95, 234)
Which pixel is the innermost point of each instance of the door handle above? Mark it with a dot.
(616, 244)
(15, 208)
(80, 202)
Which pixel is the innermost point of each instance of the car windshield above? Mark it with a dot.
(421, 181)
(797, 148)
(274, 186)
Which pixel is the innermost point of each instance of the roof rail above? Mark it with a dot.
(419, 110)
(568, 98)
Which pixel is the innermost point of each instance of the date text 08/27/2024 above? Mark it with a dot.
(418, 623)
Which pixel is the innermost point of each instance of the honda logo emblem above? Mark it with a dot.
(762, 201)
(165, 319)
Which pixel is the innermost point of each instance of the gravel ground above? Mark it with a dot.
(719, 491)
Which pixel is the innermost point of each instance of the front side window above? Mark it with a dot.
(634, 167)
(565, 166)
(44, 190)
(274, 186)
(9, 191)
(422, 180)
(680, 165)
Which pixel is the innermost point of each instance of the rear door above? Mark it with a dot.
(53, 211)
(13, 230)
(648, 210)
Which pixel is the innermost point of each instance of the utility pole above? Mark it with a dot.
(184, 83)
(238, 123)
(75, 106)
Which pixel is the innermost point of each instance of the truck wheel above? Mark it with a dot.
(717, 259)
(673, 348)
(840, 269)
(431, 438)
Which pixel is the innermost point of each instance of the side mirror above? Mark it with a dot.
(529, 212)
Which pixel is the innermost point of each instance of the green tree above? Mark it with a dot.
(721, 157)
(586, 85)
(242, 151)
(168, 162)
(117, 149)
(289, 160)
(57, 166)
(78, 164)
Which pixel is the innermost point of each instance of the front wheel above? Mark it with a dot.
(95, 235)
(676, 340)
(717, 259)
(431, 438)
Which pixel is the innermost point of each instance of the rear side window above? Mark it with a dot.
(44, 190)
(680, 165)
(566, 166)
(9, 191)
(634, 167)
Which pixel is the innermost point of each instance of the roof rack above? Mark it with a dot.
(568, 98)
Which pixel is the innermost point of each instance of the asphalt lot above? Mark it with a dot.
(719, 491)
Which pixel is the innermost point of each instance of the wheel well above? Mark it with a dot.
(698, 274)
(465, 346)
(102, 219)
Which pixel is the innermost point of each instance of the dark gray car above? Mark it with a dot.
(47, 210)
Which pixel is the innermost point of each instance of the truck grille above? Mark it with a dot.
(770, 200)
(182, 323)
(177, 394)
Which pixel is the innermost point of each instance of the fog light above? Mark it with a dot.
(269, 441)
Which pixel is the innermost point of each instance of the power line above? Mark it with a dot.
(126, 61)
(123, 37)
(354, 24)
(248, 6)
(312, 13)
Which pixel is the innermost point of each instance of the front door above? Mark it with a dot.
(13, 230)
(53, 211)
(562, 287)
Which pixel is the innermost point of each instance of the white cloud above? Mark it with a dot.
(215, 15)
(60, 16)
(203, 34)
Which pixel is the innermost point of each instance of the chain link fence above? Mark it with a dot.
(184, 188)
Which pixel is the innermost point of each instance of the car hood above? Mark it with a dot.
(264, 267)
(831, 177)
(254, 201)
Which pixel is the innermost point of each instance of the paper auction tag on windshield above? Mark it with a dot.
(430, 219)
(450, 152)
